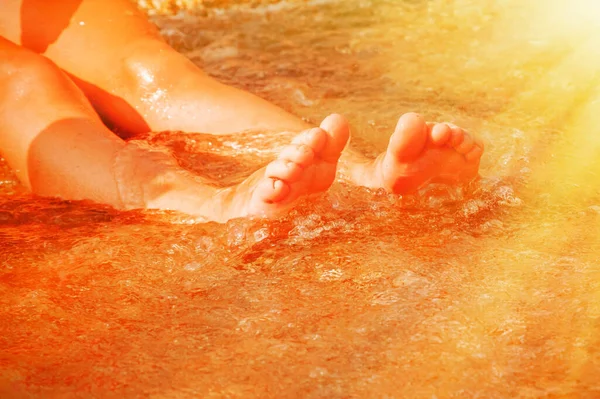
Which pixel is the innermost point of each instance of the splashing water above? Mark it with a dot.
(491, 291)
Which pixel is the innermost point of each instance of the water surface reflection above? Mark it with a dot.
(490, 291)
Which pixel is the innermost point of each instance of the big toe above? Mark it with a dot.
(409, 138)
(338, 133)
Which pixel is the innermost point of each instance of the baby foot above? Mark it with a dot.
(306, 166)
(419, 153)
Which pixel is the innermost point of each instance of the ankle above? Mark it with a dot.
(144, 174)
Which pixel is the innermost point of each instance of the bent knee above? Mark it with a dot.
(23, 71)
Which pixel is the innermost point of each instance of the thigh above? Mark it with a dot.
(92, 41)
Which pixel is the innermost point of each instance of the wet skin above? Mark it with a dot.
(134, 82)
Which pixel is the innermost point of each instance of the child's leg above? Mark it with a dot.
(137, 82)
(49, 133)
(418, 153)
(51, 136)
(132, 77)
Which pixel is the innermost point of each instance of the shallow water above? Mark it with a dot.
(491, 291)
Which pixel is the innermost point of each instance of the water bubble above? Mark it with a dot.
(236, 233)
(261, 234)
(218, 53)
(318, 372)
(472, 207)
(331, 275)
(408, 278)
(301, 98)
(192, 266)
(594, 208)
(507, 197)
(308, 227)
(493, 224)
(385, 297)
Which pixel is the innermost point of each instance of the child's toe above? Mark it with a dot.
(475, 154)
(300, 154)
(466, 145)
(337, 133)
(283, 170)
(440, 134)
(271, 190)
(314, 138)
(458, 136)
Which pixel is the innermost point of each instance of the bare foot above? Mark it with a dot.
(308, 165)
(419, 153)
